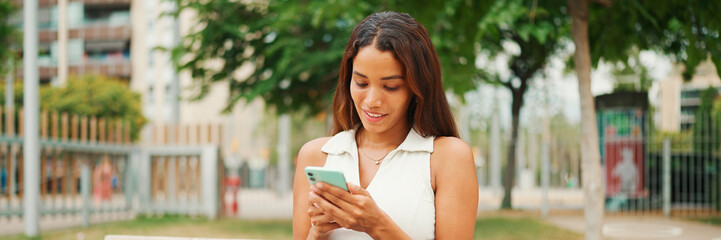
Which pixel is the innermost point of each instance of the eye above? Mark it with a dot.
(391, 88)
(360, 84)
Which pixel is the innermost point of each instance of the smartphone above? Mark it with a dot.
(332, 177)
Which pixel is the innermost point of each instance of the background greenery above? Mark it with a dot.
(89, 95)
(497, 227)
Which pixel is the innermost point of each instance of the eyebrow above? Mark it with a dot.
(383, 78)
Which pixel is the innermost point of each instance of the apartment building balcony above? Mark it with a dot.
(91, 32)
(44, 3)
(114, 68)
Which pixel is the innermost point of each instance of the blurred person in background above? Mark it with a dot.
(394, 138)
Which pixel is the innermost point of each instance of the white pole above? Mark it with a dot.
(666, 178)
(31, 176)
(495, 151)
(62, 42)
(545, 168)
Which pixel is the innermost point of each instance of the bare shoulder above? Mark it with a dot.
(451, 148)
(451, 162)
(310, 154)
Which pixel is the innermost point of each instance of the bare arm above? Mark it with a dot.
(309, 155)
(456, 188)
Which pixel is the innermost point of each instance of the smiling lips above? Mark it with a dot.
(373, 117)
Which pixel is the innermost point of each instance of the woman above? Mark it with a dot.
(409, 175)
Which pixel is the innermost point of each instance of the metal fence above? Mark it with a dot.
(647, 171)
(651, 171)
(91, 169)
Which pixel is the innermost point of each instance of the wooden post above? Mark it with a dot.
(74, 128)
(10, 122)
(165, 134)
(84, 129)
(54, 126)
(198, 179)
(102, 138)
(118, 131)
(43, 125)
(64, 127)
(210, 133)
(93, 129)
(198, 136)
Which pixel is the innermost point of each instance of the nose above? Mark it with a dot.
(374, 98)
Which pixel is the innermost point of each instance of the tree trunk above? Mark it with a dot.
(590, 156)
(510, 176)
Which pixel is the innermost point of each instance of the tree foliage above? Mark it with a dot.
(293, 49)
(538, 29)
(89, 95)
(8, 34)
(688, 31)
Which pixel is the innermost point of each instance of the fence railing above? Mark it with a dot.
(182, 180)
(90, 168)
(84, 165)
(646, 171)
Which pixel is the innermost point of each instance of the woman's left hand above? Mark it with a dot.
(354, 210)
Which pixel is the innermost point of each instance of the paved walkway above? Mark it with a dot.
(636, 227)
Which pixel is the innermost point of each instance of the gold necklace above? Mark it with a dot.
(378, 161)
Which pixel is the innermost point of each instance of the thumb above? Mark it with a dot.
(357, 190)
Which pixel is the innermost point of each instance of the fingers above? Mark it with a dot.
(326, 227)
(357, 190)
(321, 222)
(327, 207)
(335, 195)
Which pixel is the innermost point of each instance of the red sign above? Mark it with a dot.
(624, 168)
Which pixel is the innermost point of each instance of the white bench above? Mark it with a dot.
(128, 237)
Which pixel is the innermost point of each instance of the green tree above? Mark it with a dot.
(686, 30)
(90, 95)
(293, 49)
(8, 35)
(537, 28)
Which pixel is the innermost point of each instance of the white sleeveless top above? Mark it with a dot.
(401, 186)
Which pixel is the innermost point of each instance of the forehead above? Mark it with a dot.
(372, 62)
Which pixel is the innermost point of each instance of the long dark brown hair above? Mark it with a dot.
(401, 34)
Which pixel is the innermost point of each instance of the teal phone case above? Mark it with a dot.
(332, 177)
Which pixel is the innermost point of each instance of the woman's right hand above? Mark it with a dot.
(321, 225)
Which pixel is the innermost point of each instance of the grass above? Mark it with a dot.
(712, 220)
(496, 227)
(504, 228)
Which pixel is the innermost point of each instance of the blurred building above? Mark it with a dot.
(165, 91)
(123, 39)
(679, 99)
(98, 38)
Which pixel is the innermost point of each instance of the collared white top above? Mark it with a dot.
(401, 187)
